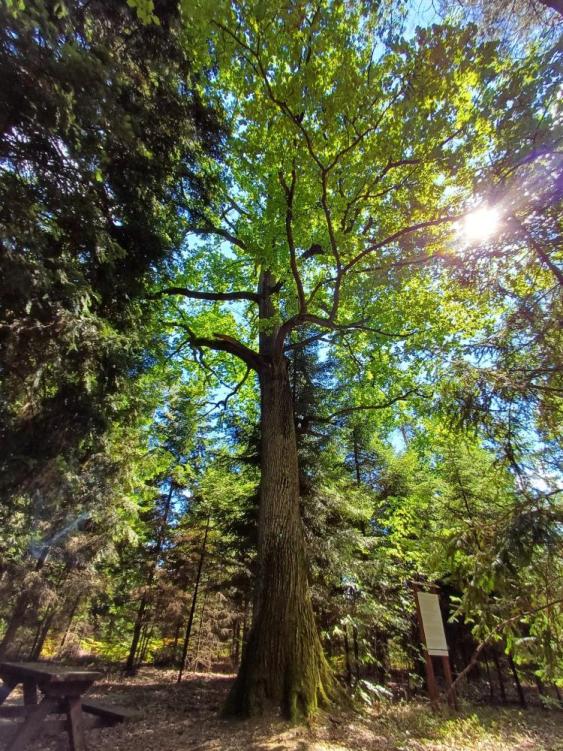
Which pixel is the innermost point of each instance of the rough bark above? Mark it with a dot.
(283, 664)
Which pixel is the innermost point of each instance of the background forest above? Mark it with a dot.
(357, 201)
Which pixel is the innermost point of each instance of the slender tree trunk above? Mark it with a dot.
(69, 624)
(198, 643)
(357, 466)
(235, 642)
(194, 602)
(489, 679)
(149, 628)
(42, 633)
(499, 674)
(380, 653)
(176, 640)
(14, 624)
(517, 681)
(356, 652)
(283, 664)
(347, 662)
(140, 619)
(137, 629)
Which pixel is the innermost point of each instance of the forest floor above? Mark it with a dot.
(185, 717)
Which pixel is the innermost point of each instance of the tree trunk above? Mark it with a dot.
(499, 674)
(41, 635)
(347, 662)
(283, 664)
(139, 623)
(489, 678)
(194, 603)
(516, 677)
(147, 634)
(357, 465)
(199, 632)
(69, 624)
(130, 665)
(356, 652)
(14, 624)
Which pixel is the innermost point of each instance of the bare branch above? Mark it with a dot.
(368, 407)
(400, 233)
(223, 402)
(304, 422)
(475, 656)
(304, 342)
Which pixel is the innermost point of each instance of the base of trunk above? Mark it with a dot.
(292, 676)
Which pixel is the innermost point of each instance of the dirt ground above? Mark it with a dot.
(185, 717)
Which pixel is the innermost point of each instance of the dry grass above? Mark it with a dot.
(185, 717)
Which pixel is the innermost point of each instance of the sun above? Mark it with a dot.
(481, 224)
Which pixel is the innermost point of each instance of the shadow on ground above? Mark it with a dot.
(185, 717)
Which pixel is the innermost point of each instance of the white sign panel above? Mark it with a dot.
(432, 623)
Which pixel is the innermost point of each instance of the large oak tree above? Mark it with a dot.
(350, 165)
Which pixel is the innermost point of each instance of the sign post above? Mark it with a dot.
(433, 638)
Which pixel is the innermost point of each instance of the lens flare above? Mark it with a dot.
(481, 224)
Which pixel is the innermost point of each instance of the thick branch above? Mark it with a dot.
(220, 232)
(289, 191)
(194, 294)
(224, 343)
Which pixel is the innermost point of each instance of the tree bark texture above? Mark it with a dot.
(283, 664)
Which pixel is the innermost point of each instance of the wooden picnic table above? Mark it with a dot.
(62, 688)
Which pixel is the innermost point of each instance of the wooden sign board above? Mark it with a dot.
(433, 637)
(432, 623)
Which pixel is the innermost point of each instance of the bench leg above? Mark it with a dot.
(75, 726)
(29, 692)
(31, 726)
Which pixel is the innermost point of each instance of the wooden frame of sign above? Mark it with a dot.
(433, 638)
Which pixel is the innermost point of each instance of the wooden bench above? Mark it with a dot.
(110, 713)
(62, 688)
